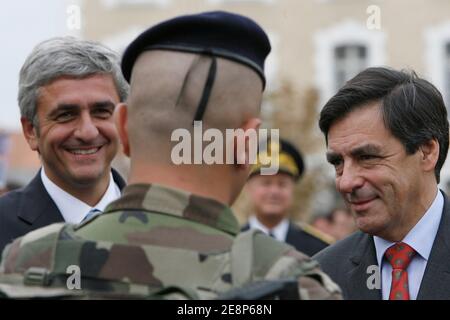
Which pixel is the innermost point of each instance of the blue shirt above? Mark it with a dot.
(420, 238)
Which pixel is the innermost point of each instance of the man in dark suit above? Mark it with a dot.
(387, 136)
(68, 90)
(272, 195)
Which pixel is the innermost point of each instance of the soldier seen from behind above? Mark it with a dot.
(172, 233)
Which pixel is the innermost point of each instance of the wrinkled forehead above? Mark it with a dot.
(362, 126)
(96, 87)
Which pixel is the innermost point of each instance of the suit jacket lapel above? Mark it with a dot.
(436, 279)
(356, 283)
(290, 235)
(36, 202)
(118, 179)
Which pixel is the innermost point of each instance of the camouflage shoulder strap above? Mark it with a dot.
(29, 245)
(252, 255)
(260, 260)
(17, 281)
(45, 278)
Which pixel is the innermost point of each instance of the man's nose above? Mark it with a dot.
(274, 188)
(86, 128)
(350, 179)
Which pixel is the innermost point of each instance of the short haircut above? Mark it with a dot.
(65, 57)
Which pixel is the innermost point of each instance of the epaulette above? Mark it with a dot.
(316, 233)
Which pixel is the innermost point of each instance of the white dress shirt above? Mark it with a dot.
(279, 231)
(421, 239)
(72, 209)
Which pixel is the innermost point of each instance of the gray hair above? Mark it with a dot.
(65, 56)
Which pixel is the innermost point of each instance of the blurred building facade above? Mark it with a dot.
(23, 163)
(317, 46)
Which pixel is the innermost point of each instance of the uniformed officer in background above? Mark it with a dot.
(272, 197)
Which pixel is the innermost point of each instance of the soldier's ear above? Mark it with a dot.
(243, 157)
(30, 133)
(121, 120)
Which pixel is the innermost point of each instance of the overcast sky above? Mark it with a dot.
(24, 23)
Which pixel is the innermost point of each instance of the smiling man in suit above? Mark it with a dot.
(387, 135)
(68, 90)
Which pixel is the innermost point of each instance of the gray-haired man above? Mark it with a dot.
(68, 90)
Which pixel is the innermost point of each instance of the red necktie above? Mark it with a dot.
(399, 256)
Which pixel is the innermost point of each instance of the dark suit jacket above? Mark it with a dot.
(301, 240)
(346, 262)
(30, 208)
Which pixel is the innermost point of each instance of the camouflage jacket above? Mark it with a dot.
(149, 241)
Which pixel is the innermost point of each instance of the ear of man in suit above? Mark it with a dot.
(387, 138)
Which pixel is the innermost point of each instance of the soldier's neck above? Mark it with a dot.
(183, 179)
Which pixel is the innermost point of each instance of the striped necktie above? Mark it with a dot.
(93, 212)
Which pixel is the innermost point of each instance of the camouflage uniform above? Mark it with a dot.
(154, 238)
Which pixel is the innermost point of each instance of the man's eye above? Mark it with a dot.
(65, 116)
(336, 162)
(367, 157)
(102, 113)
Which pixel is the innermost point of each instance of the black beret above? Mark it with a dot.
(290, 159)
(217, 33)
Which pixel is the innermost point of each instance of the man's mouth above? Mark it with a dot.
(361, 204)
(84, 151)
